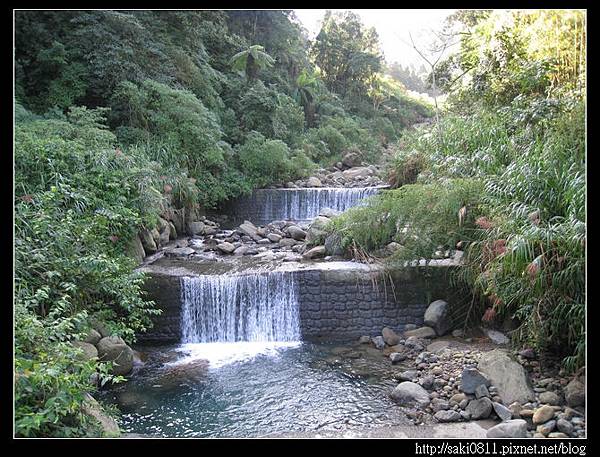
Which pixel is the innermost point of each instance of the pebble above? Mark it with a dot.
(542, 414)
(546, 428)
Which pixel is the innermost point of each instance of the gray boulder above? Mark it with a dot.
(496, 337)
(317, 230)
(226, 247)
(296, 232)
(397, 357)
(313, 182)
(172, 231)
(378, 342)
(436, 317)
(114, 349)
(351, 159)
(502, 411)
(575, 393)
(92, 337)
(317, 251)
(89, 350)
(333, 244)
(550, 398)
(507, 375)
(516, 428)
(472, 378)
(422, 332)
(447, 416)
(197, 228)
(390, 337)
(480, 408)
(91, 408)
(248, 228)
(410, 394)
(135, 249)
(408, 375)
(274, 237)
(148, 242)
(330, 213)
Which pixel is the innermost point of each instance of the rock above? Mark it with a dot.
(564, 426)
(172, 231)
(378, 342)
(274, 237)
(249, 229)
(197, 228)
(427, 382)
(457, 398)
(92, 337)
(410, 394)
(515, 409)
(471, 378)
(148, 242)
(527, 353)
(496, 337)
(480, 408)
(313, 182)
(481, 391)
(436, 317)
(575, 393)
(89, 350)
(502, 411)
(438, 346)
(437, 404)
(557, 435)
(393, 247)
(135, 249)
(180, 252)
(318, 229)
(90, 407)
(549, 398)
(390, 337)
(408, 327)
(516, 428)
(508, 376)
(422, 332)
(333, 244)
(165, 234)
(357, 172)
(114, 349)
(447, 416)
(317, 251)
(226, 247)
(365, 339)
(100, 327)
(408, 375)
(329, 213)
(463, 404)
(178, 219)
(287, 242)
(296, 232)
(546, 428)
(155, 236)
(458, 333)
(351, 159)
(543, 414)
(397, 357)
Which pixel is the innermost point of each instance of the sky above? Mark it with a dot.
(393, 27)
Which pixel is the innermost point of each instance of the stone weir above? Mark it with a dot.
(294, 204)
(335, 300)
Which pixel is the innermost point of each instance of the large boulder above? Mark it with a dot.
(248, 228)
(436, 317)
(516, 428)
(507, 375)
(317, 230)
(296, 232)
(480, 408)
(410, 394)
(108, 425)
(357, 172)
(575, 393)
(421, 332)
(148, 242)
(114, 349)
(135, 249)
(92, 337)
(313, 182)
(351, 159)
(390, 337)
(447, 416)
(333, 244)
(226, 247)
(471, 379)
(330, 213)
(197, 228)
(317, 251)
(89, 350)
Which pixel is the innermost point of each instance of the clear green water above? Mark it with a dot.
(265, 392)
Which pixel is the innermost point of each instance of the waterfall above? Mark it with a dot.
(305, 204)
(249, 307)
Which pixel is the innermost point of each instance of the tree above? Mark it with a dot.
(251, 60)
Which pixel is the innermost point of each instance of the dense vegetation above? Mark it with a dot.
(119, 113)
(502, 177)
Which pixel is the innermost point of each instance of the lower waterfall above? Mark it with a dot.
(229, 308)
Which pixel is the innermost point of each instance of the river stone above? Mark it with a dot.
(155, 236)
(422, 332)
(313, 181)
(148, 242)
(546, 428)
(350, 159)
(471, 378)
(408, 375)
(378, 342)
(135, 249)
(90, 407)
(408, 393)
(508, 376)
(330, 213)
(389, 336)
(502, 411)
(496, 337)
(172, 231)
(165, 235)
(549, 398)
(296, 232)
(100, 327)
(287, 242)
(197, 228)
(397, 357)
(447, 416)
(438, 346)
(317, 251)
(333, 244)
(226, 247)
(564, 426)
(543, 414)
(114, 349)
(317, 230)
(481, 391)
(575, 393)
(557, 435)
(248, 228)
(365, 339)
(480, 408)
(516, 428)
(274, 237)
(180, 252)
(436, 317)
(92, 337)
(89, 350)
(357, 172)
(457, 398)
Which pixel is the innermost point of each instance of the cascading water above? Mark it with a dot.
(305, 204)
(249, 307)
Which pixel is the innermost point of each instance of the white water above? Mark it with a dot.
(305, 204)
(232, 308)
